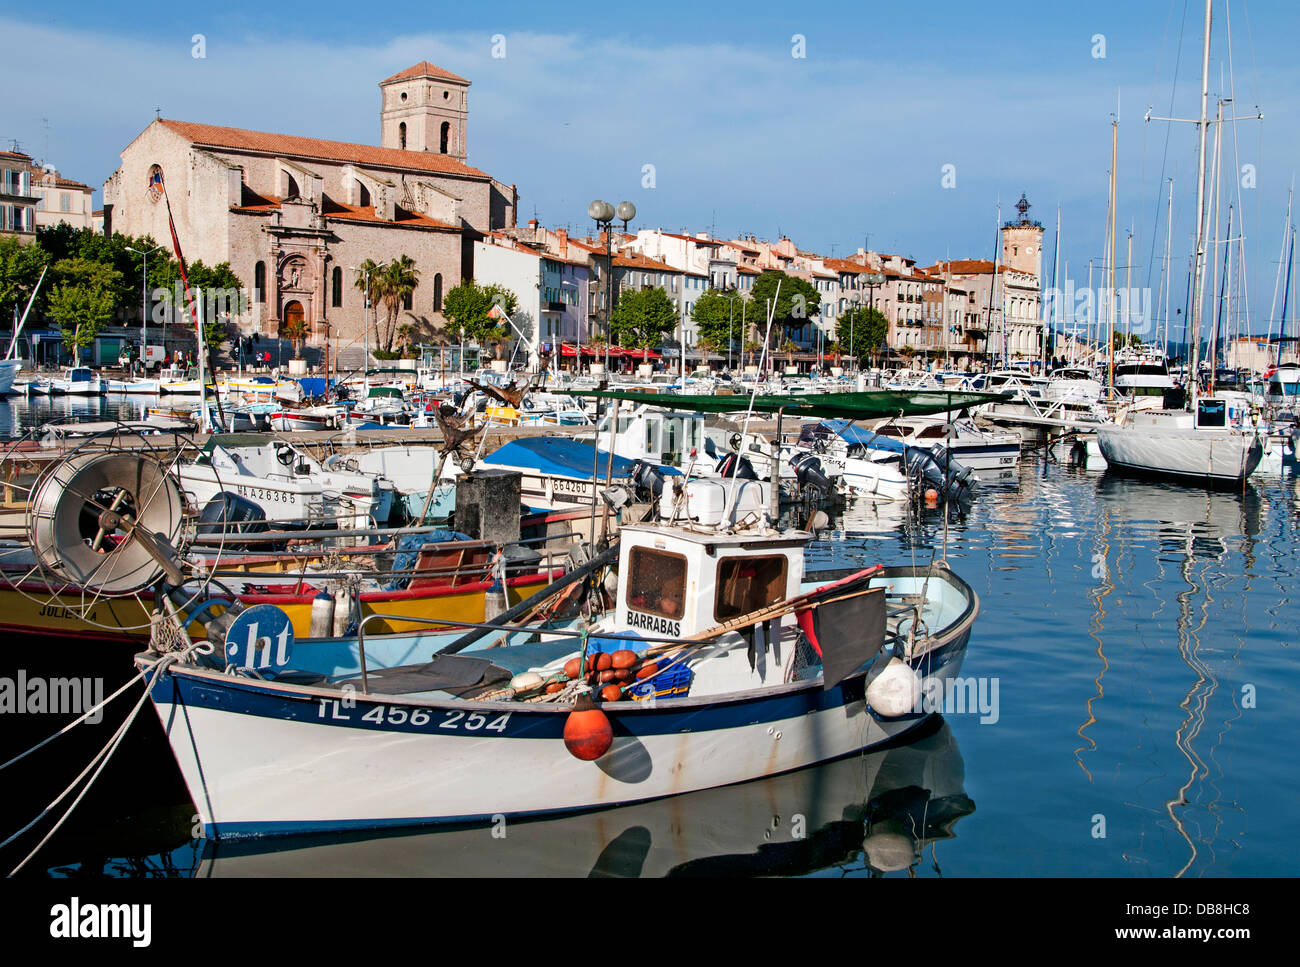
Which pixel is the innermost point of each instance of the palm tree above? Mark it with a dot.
(397, 281)
(405, 332)
(297, 332)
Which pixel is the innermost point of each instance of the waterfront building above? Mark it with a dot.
(294, 215)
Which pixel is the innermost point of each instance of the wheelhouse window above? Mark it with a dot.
(746, 584)
(656, 583)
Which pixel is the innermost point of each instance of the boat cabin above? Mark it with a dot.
(675, 582)
(655, 435)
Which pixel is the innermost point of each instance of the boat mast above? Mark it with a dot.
(1169, 279)
(1198, 269)
(1056, 288)
(1110, 314)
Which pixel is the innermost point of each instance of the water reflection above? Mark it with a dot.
(866, 815)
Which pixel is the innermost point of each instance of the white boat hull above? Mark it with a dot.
(1191, 454)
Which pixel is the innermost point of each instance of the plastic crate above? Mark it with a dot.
(674, 682)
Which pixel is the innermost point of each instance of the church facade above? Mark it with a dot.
(295, 216)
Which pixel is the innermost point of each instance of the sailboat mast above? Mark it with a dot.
(1110, 314)
(1198, 268)
(1169, 279)
(1056, 288)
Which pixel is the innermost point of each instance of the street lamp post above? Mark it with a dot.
(869, 280)
(365, 321)
(603, 213)
(144, 299)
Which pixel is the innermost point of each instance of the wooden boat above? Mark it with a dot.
(744, 669)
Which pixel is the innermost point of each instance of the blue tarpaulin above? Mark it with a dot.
(313, 385)
(855, 434)
(560, 456)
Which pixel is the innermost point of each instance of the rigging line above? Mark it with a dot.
(1243, 290)
(1164, 161)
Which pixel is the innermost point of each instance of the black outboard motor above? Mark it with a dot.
(229, 513)
(647, 481)
(734, 465)
(935, 469)
(808, 472)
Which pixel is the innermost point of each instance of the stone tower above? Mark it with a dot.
(425, 108)
(1022, 242)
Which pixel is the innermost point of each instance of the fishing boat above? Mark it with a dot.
(729, 661)
(286, 485)
(558, 473)
(77, 381)
(308, 418)
(411, 469)
(880, 812)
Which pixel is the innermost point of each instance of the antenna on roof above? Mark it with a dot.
(157, 113)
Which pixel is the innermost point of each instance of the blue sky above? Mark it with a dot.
(845, 143)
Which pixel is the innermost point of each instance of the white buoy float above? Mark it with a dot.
(896, 690)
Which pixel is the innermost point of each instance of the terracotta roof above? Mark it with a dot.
(965, 267)
(748, 270)
(639, 261)
(337, 211)
(425, 69)
(315, 149)
(16, 154)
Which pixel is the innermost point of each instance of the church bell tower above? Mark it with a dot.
(425, 108)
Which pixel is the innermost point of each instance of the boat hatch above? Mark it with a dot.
(1211, 414)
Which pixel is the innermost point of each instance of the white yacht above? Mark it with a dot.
(970, 444)
(77, 381)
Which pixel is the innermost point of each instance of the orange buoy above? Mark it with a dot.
(611, 693)
(572, 667)
(624, 658)
(647, 670)
(932, 496)
(587, 731)
(604, 661)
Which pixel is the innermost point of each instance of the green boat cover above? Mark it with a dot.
(848, 406)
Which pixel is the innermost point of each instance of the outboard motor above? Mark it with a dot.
(808, 472)
(734, 465)
(935, 469)
(229, 513)
(647, 481)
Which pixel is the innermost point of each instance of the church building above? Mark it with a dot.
(295, 216)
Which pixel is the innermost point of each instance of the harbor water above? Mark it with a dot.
(1125, 709)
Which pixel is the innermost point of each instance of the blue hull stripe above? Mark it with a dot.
(450, 718)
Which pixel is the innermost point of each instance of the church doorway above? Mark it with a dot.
(293, 317)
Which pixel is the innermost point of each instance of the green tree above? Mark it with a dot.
(717, 317)
(641, 319)
(396, 282)
(468, 309)
(81, 299)
(20, 268)
(1120, 341)
(861, 332)
(297, 332)
(797, 302)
